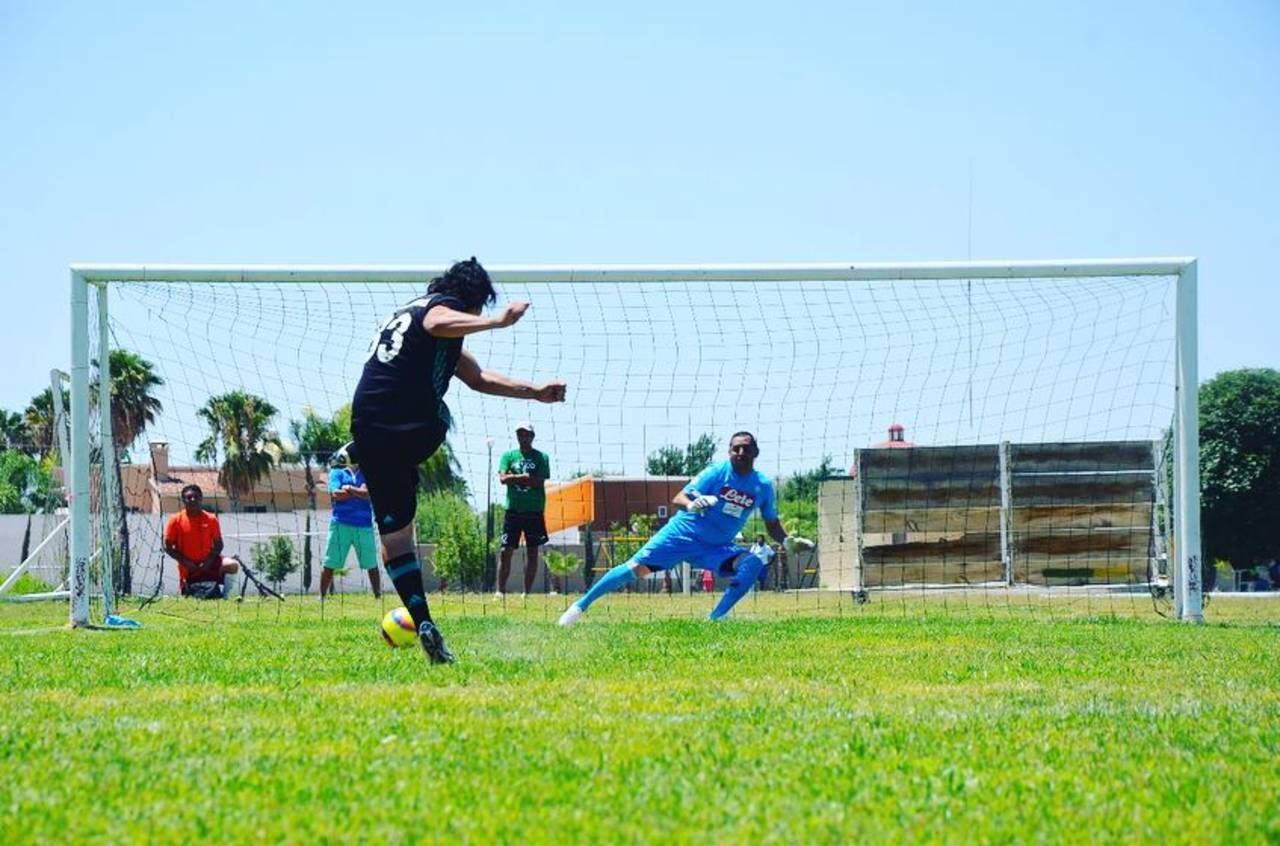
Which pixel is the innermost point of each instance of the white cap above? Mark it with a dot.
(525, 425)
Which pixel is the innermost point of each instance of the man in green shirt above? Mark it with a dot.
(524, 471)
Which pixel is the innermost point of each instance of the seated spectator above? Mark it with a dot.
(193, 538)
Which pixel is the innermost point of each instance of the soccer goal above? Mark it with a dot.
(1007, 434)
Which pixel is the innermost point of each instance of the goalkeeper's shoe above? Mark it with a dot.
(433, 644)
(570, 616)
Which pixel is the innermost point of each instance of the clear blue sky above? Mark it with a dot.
(416, 132)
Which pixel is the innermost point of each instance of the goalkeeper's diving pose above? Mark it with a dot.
(715, 506)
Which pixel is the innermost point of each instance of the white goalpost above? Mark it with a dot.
(1006, 364)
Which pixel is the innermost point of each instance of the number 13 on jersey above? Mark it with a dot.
(387, 348)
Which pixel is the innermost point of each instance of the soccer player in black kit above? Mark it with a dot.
(399, 417)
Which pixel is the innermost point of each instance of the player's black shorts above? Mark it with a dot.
(390, 465)
(532, 526)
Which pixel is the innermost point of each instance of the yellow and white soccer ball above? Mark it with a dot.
(398, 628)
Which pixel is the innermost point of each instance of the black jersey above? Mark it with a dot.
(407, 373)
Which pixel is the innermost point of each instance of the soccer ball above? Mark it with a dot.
(398, 628)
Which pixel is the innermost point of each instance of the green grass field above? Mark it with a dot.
(243, 724)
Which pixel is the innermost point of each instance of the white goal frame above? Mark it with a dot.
(1188, 601)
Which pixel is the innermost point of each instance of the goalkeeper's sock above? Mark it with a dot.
(744, 578)
(619, 577)
(406, 575)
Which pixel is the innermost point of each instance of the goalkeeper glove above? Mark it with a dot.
(701, 503)
(798, 544)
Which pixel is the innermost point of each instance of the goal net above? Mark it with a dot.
(1003, 437)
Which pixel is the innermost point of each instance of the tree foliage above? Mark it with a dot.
(133, 405)
(317, 438)
(275, 558)
(1240, 466)
(803, 486)
(562, 563)
(16, 476)
(798, 517)
(671, 460)
(13, 430)
(42, 437)
(26, 485)
(240, 431)
(446, 519)
(442, 472)
(625, 539)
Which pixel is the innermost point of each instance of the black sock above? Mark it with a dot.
(406, 575)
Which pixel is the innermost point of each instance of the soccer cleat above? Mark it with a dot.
(433, 644)
(571, 615)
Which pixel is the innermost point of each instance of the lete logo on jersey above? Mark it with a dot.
(735, 501)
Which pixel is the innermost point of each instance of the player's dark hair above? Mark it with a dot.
(746, 434)
(467, 281)
(195, 488)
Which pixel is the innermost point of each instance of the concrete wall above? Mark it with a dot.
(1079, 513)
(51, 565)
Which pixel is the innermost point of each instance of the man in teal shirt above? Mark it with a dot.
(524, 471)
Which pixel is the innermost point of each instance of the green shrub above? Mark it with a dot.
(629, 536)
(563, 563)
(274, 558)
(446, 519)
(798, 518)
(435, 512)
(27, 583)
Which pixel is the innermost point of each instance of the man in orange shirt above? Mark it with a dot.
(193, 538)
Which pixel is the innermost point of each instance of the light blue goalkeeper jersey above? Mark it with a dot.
(736, 497)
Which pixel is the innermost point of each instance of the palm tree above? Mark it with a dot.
(133, 408)
(41, 432)
(317, 439)
(239, 431)
(441, 472)
(13, 430)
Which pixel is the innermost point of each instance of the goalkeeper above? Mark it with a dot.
(716, 506)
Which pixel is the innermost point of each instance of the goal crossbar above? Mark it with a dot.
(811, 272)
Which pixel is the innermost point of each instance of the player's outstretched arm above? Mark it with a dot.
(791, 544)
(444, 322)
(492, 382)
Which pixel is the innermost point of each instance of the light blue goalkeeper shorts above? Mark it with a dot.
(667, 549)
